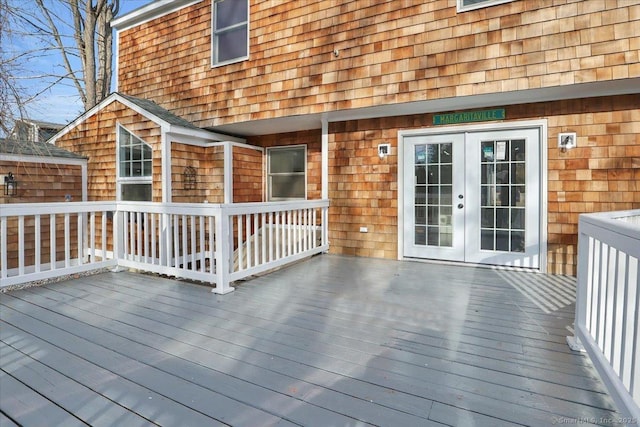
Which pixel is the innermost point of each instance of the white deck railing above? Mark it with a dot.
(607, 320)
(193, 241)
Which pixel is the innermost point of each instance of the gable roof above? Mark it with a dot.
(168, 122)
(159, 112)
(37, 149)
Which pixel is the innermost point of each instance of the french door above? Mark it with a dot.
(473, 197)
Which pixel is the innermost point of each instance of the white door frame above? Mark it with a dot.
(539, 124)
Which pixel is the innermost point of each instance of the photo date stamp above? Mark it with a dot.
(603, 421)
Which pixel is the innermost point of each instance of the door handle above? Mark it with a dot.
(460, 206)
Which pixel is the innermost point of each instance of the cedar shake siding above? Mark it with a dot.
(313, 56)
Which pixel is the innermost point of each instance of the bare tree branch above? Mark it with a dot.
(65, 59)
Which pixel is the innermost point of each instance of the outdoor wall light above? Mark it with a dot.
(567, 141)
(384, 150)
(10, 185)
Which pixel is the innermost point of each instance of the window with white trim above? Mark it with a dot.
(134, 167)
(230, 31)
(287, 172)
(464, 5)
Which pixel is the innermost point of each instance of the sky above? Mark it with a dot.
(61, 104)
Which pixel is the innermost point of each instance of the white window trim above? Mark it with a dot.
(486, 3)
(268, 172)
(215, 64)
(134, 179)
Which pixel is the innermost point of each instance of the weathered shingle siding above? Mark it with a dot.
(388, 52)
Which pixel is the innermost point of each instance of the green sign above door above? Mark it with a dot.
(468, 116)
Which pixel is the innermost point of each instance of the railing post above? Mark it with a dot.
(223, 252)
(118, 242)
(581, 289)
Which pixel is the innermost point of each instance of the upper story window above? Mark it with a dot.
(464, 5)
(134, 167)
(287, 172)
(230, 34)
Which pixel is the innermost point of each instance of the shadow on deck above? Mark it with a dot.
(332, 341)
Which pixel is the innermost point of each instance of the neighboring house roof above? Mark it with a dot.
(34, 130)
(168, 122)
(35, 149)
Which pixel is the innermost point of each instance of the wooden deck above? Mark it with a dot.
(332, 341)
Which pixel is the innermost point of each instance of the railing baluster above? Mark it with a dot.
(154, 241)
(256, 240)
(277, 233)
(52, 242)
(240, 243)
(21, 245)
(203, 248)
(92, 237)
(176, 241)
(270, 236)
(314, 223)
(80, 247)
(263, 237)
(3, 248)
(248, 228)
(67, 240)
(37, 244)
(103, 236)
(212, 245)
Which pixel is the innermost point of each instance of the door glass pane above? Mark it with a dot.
(434, 174)
(446, 153)
(433, 201)
(421, 195)
(502, 187)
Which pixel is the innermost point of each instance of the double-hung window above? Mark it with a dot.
(134, 167)
(287, 172)
(230, 33)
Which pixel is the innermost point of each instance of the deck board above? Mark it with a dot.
(329, 341)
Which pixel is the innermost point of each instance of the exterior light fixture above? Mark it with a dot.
(384, 150)
(567, 141)
(10, 185)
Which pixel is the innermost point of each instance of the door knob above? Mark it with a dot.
(460, 206)
(460, 196)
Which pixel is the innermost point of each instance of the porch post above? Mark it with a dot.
(166, 167)
(228, 172)
(325, 159)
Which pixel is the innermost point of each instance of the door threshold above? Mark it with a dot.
(473, 265)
